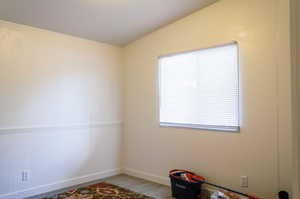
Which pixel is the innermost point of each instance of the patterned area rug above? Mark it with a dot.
(100, 191)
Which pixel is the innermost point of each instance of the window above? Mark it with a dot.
(200, 89)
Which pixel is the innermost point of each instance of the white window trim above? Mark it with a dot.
(233, 129)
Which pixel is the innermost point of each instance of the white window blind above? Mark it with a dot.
(200, 89)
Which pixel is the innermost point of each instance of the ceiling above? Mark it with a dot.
(110, 21)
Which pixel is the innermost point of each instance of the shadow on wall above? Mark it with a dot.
(52, 88)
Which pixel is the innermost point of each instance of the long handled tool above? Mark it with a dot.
(224, 188)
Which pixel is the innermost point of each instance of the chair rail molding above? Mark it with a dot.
(56, 127)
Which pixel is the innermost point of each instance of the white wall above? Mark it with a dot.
(61, 105)
(60, 110)
(262, 150)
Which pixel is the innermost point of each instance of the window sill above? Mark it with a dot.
(234, 129)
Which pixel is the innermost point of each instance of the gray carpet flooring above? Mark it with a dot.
(134, 184)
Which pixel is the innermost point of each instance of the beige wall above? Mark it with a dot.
(60, 110)
(262, 150)
(296, 61)
(298, 74)
(295, 46)
(284, 92)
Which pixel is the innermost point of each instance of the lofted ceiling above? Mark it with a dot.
(110, 21)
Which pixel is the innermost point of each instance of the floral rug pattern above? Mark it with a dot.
(100, 191)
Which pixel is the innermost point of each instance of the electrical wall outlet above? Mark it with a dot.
(25, 176)
(244, 181)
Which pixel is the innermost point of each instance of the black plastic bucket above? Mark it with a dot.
(183, 189)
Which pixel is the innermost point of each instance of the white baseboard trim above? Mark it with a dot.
(147, 176)
(60, 185)
(84, 179)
